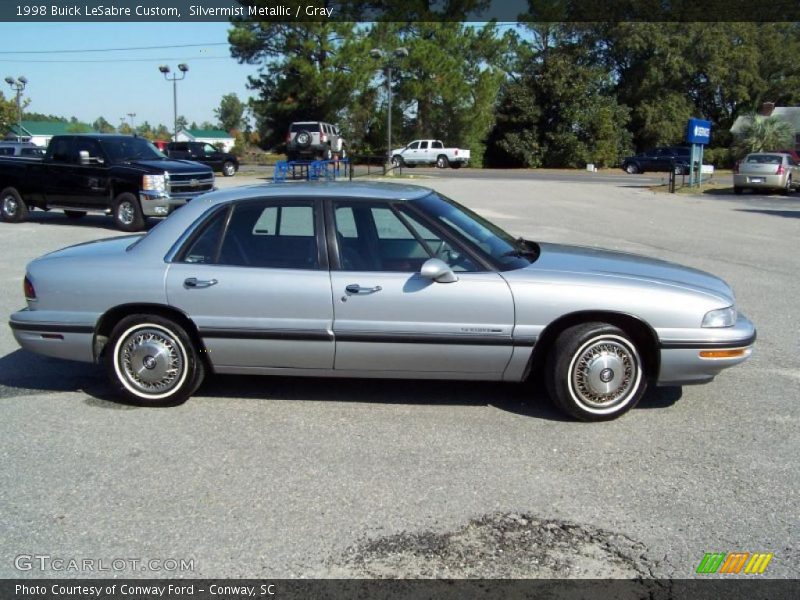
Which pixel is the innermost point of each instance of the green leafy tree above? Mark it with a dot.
(35, 116)
(182, 123)
(76, 126)
(764, 134)
(230, 112)
(103, 126)
(8, 114)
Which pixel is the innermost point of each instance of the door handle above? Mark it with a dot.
(354, 288)
(193, 282)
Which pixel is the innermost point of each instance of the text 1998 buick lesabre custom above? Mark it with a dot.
(374, 280)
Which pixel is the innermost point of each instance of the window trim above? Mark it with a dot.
(179, 249)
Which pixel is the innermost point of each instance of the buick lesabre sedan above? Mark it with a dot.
(374, 280)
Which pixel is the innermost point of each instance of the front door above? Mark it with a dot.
(257, 287)
(389, 318)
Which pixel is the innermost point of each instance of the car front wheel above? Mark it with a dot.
(128, 213)
(152, 361)
(229, 169)
(12, 206)
(595, 372)
(631, 169)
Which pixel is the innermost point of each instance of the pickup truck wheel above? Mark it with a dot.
(594, 372)
(442, 162)
(228, 169)
(12, 206)
(327, 154)
(631, 169)
(127, 213)
(75, 214)
(397, 161)
(152, 361)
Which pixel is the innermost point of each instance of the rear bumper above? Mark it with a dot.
(39, 332)
(700, 359)
(760, 181)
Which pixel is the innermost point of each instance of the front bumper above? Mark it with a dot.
(698, 359)
(160, 204)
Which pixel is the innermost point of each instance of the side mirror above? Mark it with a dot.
(437, 270)
(89, 160)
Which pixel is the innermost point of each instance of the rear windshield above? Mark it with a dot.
(304, 126)
(765, 159)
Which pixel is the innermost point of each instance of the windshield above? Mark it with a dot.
(123, 149)
(506, 251)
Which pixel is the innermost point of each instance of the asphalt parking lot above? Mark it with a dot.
(281, 477)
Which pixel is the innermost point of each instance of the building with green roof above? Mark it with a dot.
(41, 132)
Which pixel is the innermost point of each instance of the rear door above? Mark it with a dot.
(255, 281)
(390, 319)
(57, 180)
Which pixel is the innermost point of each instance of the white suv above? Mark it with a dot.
(314, 140)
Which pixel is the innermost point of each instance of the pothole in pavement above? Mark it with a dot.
(500, 545)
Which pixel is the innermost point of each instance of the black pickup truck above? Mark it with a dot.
(125, 176)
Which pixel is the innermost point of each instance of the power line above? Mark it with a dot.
(111, 49)
(115, 60)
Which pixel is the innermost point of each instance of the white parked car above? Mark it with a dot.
(430, 152)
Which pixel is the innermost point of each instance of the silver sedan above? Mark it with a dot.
(374, 280)
(766, 170)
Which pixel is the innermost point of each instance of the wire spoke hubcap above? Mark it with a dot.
(605, 372)
(151, 361)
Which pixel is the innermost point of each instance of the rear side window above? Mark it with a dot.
(276, 236)
(437, 145)
(423, 145)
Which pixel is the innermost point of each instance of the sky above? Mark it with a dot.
(128, 81)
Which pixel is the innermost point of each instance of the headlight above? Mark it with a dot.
(154, 183)
(722, 317)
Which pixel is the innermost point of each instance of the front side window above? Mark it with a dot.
(209, 149)
(413, 146)
(382, 238)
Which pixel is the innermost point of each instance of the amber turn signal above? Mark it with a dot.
(732, 353)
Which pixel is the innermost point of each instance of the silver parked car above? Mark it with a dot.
(374, 280)
(766, 170)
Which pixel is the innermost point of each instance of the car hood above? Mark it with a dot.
(172, 165)
(622, 265)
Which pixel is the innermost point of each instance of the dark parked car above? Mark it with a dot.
(659, 159)
(121, 175)
(20, 149)
(208, 154)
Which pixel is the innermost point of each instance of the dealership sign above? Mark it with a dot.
(698, 131)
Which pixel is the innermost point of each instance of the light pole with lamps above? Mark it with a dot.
(183, 68)
(18, 85)
(378, 54)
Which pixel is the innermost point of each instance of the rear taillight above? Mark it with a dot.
(456, 152)
(288, 137)
(780, 170)
(27, 286)
(736, 167)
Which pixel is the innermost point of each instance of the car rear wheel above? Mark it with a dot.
(128, 213)
(228, 169)
(631, 169)
(788, 187)
(12, 206)
(442, 162)
(151, 361)
(75, 214)
(594, 372)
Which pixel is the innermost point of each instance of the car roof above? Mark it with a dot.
(365, 190)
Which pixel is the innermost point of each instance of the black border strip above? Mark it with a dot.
(50, 327)
(703, 345)
(264, 334)
(364, 336)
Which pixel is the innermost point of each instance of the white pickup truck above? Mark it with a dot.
(430, 152)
